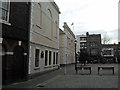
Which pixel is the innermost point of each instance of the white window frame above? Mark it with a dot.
(8, 15)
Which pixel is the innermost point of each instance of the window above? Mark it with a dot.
(46, 57)
(49, 57)
(82, 38)
(93, 44)
(37, 58)
(40, 14)
(4, 10)
(56, 29)
(54, 58)
(107, 52)
(83, 44)
(94, 52)
(42, 54)
(50, 19)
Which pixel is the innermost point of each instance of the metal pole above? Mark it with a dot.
(65, 65)
(75, 57)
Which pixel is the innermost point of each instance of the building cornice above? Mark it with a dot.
(56, 7)
(67, 27)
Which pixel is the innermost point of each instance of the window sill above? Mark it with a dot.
(55, 65)
(4, 22)
(48, 66)
(36, 68)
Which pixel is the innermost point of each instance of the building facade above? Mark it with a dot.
(118, 57)
(81, 42)
(44, 38)
(14, 23)
(94, 45)
(91, 44)
(67, 45)
(110, 53)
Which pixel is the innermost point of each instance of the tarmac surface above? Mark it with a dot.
(66, 77)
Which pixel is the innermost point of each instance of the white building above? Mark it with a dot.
(44, 37)
(67, 45)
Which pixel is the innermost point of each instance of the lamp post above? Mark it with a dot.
(75, 56)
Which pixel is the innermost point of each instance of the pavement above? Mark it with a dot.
(66, 77)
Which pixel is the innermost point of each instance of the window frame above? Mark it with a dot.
(8, 14)
(50, 57)
(37, 59)
(46, 59)
(56, 58)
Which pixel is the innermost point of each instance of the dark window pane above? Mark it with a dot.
(54, 58)
(37, 58)
(4, 15)
(49, 57)
(46, 57)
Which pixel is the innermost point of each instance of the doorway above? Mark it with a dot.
(3, 63)
(18, 64)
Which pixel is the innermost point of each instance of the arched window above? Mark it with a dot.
(51, 18)
(56, 28)
(50, 13)
(40, 11)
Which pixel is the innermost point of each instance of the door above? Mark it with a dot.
(18, 71)
(3, 63)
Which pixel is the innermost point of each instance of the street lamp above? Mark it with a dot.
(75, 56)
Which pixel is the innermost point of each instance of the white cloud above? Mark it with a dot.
(90, 15)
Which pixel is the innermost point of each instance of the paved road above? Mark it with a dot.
(57, 79)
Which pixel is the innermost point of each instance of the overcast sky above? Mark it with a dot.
(93, 16)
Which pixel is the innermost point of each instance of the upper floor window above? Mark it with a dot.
(82, 44)
(4, 10)
(83, 38)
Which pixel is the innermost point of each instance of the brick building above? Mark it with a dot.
(14, 20)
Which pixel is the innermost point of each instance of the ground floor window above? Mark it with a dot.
(49, 57)
(56, 58)
(46, 57)
(37, 57)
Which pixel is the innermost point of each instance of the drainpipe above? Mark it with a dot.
(29, 27)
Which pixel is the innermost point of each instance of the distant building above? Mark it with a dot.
(94, 45)
(91, 43)
(81, 42)
(110, 53)
(67, 45)
(118, 54)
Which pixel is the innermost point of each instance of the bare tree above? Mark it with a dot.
(106, 39)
